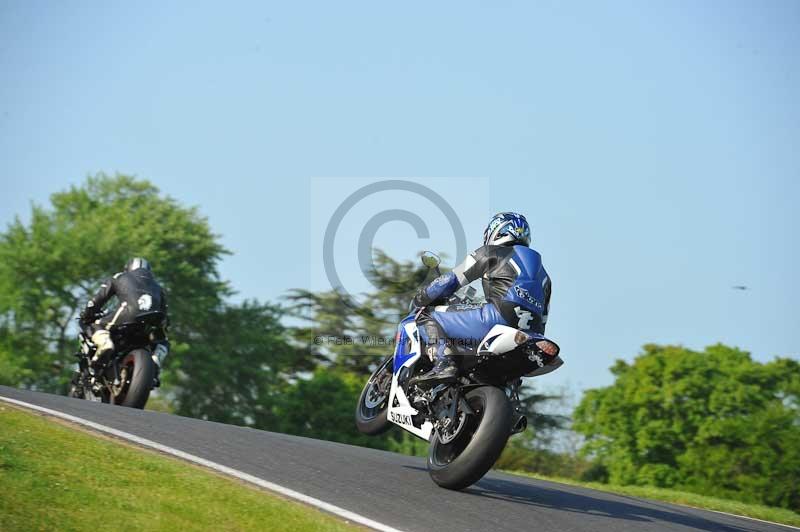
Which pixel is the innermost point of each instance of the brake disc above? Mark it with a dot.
(374, 398)
(446, 436)
(117, 389)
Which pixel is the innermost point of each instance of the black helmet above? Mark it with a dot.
(137, 263)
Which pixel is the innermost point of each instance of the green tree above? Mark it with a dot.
(50, 265)
(354, 334)
(714, 422)
(322, 407)
(530, 450)
(239, 368)
(13, 369)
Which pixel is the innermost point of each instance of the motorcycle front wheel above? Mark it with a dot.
(373, 403)
(79, 389)
(463, 460)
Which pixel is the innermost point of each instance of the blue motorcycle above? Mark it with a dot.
(467, 423)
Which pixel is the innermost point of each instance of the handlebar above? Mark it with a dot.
(142, 319)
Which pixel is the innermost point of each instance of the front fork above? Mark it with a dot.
(89, 377)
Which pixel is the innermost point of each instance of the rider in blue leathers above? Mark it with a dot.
(515, 284)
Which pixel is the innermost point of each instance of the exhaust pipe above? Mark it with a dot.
(520, 425)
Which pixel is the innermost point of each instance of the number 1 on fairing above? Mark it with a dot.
(524, 317)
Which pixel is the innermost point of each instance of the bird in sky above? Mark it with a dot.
(739, 287)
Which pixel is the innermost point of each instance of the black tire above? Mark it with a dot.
(374, 421)
(75, 391)
(466, 459)
(141, 371)
(76, 387)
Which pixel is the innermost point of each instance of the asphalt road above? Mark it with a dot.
(393, 489)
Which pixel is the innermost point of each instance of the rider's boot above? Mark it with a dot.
(444, 371)
(159, 354)
(157, 378)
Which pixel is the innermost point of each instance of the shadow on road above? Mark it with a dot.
(523, 493)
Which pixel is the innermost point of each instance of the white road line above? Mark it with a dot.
(677, 505)
(286, 492)
(746, 517)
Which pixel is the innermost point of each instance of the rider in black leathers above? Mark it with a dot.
(137, 292)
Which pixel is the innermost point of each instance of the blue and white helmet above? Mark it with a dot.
(507, 228)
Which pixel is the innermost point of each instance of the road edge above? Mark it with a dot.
(562, 482)
(219, 468)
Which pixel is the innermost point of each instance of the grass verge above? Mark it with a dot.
(757, 511)
(53, 477)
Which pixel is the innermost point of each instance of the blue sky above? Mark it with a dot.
(653, 145)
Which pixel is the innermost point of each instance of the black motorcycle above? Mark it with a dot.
(126, 376)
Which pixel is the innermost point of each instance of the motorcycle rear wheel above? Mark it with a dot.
(138, 371)
(463, 461)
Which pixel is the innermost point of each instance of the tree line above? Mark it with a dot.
(714, 421)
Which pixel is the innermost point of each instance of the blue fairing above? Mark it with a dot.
(401, 350)
(528, 290)
(530, 262)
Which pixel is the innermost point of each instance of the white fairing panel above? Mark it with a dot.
(499, 340)
(502, 339)
(402, 413)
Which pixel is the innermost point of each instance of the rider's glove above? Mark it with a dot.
(86, 317)
(440, 288)
(421, 299)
